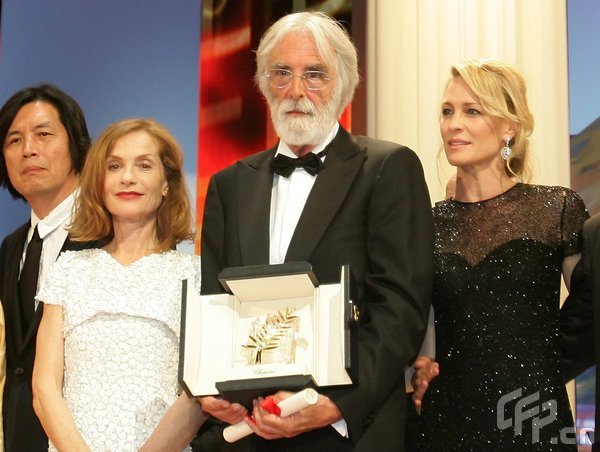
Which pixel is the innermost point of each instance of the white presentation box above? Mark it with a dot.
(277, 328)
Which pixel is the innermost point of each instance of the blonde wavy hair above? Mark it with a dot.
(502, 93)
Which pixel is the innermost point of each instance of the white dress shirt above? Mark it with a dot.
(53, 232)
(287, 201)
(288, 198)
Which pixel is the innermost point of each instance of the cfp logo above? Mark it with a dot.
(541, 415)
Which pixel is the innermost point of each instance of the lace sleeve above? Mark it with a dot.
(54, 289)
(573, 216)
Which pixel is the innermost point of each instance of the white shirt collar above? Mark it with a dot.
(283, 148)
(57, 217)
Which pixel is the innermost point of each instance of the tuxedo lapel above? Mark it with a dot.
(344, 159)
(254, 187)
(12, 312)
(33, 326)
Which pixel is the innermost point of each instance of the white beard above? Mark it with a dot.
(309, 129)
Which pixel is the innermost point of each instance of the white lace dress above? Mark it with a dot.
(121, 333)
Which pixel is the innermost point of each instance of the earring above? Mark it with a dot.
(506, 151)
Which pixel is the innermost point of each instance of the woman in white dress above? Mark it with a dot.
(105, 376)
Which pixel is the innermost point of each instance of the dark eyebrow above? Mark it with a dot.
(139, 157)
(312, 67)
(43, 125)
(317, 67)
(145, 156)
(37, 126)
(467, 104)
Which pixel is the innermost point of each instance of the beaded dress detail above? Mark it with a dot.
(496, 299)
(121, 338)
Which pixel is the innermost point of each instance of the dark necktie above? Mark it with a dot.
(29, 278)
(284, 165)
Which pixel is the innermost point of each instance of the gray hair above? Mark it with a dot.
(333, 44)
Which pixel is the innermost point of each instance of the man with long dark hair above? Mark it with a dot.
(44, 140)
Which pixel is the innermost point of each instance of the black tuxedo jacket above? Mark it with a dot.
(22, 429)
(370, 208)
(580, 315)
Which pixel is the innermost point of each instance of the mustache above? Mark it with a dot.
(310, 127)
(304, 105)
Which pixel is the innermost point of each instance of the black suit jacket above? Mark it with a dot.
(370, 208)
(580, 315)
(22, 429)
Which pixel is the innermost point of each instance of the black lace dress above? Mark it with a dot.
(496, 300)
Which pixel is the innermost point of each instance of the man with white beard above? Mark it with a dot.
(330, 198)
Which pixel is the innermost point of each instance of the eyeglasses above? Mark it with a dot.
(313, 80)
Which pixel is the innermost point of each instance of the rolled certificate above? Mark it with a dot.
(284, 408)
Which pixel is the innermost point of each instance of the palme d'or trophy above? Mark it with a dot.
(274, 339)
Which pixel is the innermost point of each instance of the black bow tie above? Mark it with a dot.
(284, 165)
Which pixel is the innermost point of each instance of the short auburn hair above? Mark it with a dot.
(93, 222)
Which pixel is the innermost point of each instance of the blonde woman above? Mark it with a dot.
(501, 246)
